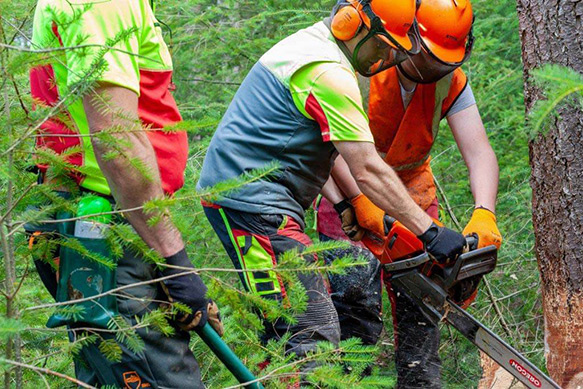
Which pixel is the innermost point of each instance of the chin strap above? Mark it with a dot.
(353, 57)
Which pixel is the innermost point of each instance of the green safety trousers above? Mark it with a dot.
(255, 241)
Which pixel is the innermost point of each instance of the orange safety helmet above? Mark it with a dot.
(445, 29)
(391, 21)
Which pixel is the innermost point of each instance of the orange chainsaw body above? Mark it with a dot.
(399, 243)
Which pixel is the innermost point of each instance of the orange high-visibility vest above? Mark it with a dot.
(404, 137)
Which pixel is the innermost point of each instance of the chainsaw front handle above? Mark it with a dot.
(472, 242)
(418, 260)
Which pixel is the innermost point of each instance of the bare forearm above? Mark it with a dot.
(382, 186)
(331, 191)
(130, 186)
(343, 177)
(483, 173)
(131, 189)
(470, 135)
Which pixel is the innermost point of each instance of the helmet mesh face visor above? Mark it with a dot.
(426, 68)
(393, 52)
(367, 66)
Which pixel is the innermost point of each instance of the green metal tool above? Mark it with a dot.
(227, 357)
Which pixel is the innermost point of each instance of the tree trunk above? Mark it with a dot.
(494, 376)
(551, 32)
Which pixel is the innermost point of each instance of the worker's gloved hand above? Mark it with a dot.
(443, 244)
(348, 218)
(214, 317)
(189, 290)
(483, 224)
(369, 216)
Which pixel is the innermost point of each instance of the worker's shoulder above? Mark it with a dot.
(332, 74)
(325, 78)
(310, 45)
(316, 70)
(459, 75)
(458, 82)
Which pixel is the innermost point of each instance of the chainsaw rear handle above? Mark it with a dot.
(474, 263)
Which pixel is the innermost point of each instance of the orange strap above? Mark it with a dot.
(32, 239)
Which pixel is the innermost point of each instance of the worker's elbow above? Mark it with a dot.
(99, 146)
(365, 175)
(108, 156)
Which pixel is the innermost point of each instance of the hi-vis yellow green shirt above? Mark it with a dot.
(300, 96)
(110, 41)
(328, 93)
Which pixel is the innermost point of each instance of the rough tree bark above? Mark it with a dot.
(552, 32)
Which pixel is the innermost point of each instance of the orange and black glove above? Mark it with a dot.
(348, 219)
(483, 224)
(369, 216)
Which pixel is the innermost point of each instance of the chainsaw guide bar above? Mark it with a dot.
(431, 286)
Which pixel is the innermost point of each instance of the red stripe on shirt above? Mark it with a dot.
(55, 30)
(314, 109)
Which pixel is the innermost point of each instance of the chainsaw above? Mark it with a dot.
(439, 289)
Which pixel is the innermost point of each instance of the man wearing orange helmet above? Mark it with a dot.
(405, 105)
(300, 105)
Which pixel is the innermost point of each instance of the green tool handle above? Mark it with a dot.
(227, 356)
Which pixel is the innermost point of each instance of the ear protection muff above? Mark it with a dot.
(346, 23)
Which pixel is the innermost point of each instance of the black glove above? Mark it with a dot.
(442, 244)
(189, 290)
(348, 218)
